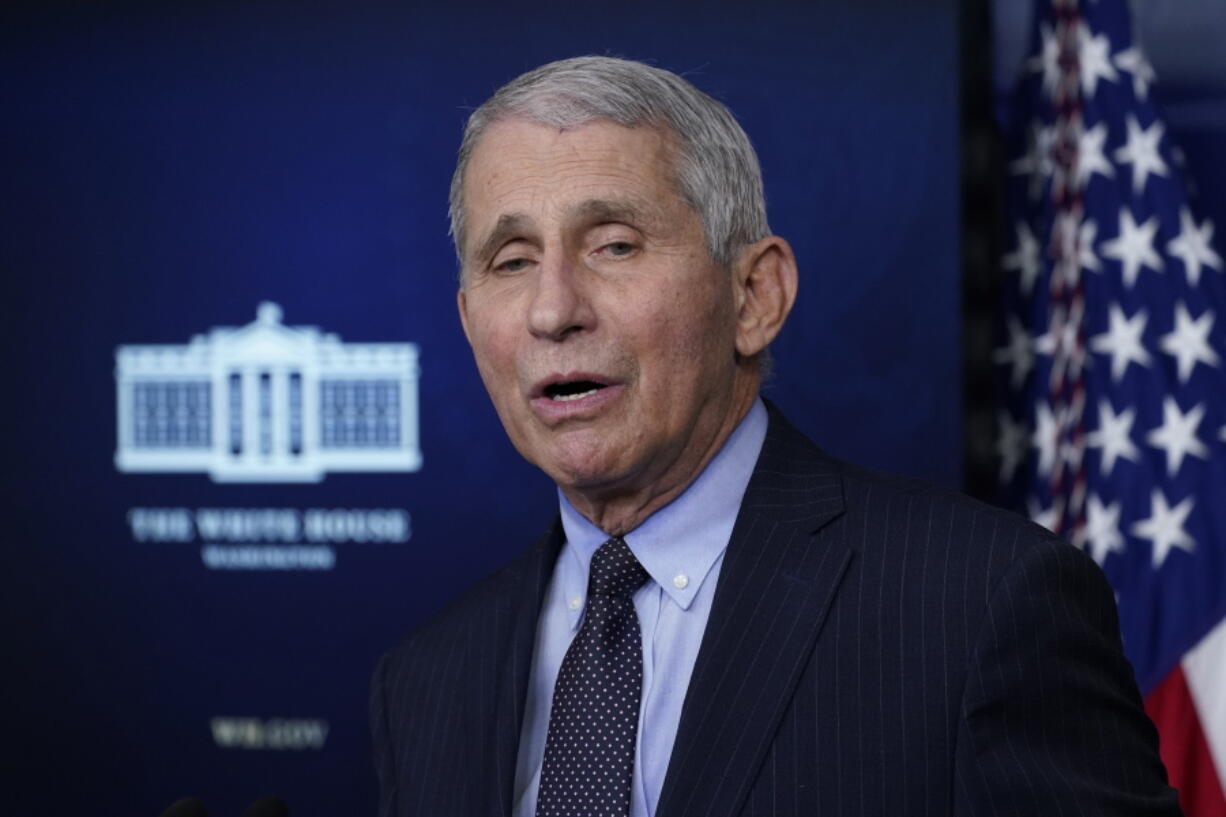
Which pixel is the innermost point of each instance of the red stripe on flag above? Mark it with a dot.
(1184, 749)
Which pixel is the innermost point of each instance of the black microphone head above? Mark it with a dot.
(187, 807)
(267, 807)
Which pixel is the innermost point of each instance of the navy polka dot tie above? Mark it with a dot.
(589, 749)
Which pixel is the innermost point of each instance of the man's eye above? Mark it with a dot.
(619, 248)
(512, 265)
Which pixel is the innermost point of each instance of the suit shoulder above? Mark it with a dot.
(889, 509)
(863, 480)
(949, 521)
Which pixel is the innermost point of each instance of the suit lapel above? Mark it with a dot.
(779, 576)
(530, 577)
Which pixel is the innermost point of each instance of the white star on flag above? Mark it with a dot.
(1010, 446)
(1164, 528)
(1102, 531)
(1188, 342)
(1061, 335)
(1066, 234)
(1047, 61)
(1134, 246)
(1072, 450)
(1094, 56)
(1177, 435)
(1018, 352)
(1024, 259)
(1141, 151)
(1086, 255)
(1114, 435)
(1045, 438)
(1060, 341)
(1090, 158)
(1046, 517)
(1036, 162)
(1122, 341)
(1132, 60)
(1193, 246)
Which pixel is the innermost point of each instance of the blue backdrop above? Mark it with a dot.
(171, 167)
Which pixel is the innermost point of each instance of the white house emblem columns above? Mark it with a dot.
(267, 415)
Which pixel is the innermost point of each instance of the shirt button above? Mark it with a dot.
(575, 602)
(680, 581)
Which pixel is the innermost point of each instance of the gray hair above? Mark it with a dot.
(716, 170)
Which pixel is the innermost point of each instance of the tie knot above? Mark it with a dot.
(615, 571)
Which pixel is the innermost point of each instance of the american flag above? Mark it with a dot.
(1113, 360)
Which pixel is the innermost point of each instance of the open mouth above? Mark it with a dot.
(572, 390)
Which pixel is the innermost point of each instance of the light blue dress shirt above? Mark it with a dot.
(682, 547)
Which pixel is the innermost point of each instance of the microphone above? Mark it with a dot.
(266, 807)
(187, 807)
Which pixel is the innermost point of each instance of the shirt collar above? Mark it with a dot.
(680, 543)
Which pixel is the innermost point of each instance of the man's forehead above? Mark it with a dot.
(600, 145)
(543, 133)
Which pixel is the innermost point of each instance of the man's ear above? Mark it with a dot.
(765, 281)
(461, 302)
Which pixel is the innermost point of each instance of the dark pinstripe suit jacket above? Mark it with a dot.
(877, 646)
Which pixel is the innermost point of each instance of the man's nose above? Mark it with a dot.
(560, 305)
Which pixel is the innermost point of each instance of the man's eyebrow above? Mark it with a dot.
(604, 210)
(508, 225)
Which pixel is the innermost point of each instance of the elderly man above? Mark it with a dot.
(722, 620)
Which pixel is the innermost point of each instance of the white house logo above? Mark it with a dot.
(267, 403)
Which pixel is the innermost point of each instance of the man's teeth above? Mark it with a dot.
(566, 398)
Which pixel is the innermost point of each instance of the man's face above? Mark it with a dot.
(602, 328)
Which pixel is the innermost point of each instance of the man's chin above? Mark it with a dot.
(584, 479)
(589, 478)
